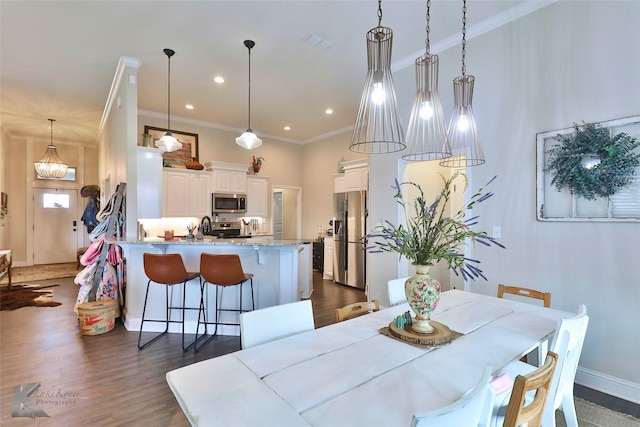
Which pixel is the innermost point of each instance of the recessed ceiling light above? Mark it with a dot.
(287, 128)
(218, 80)
(319, 41)
(328, 111)
(189, 107)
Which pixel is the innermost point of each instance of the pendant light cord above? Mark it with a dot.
(169, 53)
(379, 13)
(51, 120)
(464, 36)
(428, 29)
(249, 123)
(169, 94)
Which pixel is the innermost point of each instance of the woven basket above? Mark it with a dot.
(96, 317)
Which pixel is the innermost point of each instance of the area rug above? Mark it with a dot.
(41, 272)
(592, 415)
(26, 296)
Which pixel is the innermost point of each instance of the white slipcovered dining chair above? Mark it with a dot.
(471, 410)
(567, 344)
(272, 323)
(395, 288)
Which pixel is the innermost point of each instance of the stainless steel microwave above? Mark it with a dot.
(222, 202)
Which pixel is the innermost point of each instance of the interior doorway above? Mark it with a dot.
(287, 213)
(55, 225)
(428, 175)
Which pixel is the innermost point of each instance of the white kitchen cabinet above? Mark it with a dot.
(228, 177)
(339, 186)
(356, 175)
(257, 196)
(186, 193)
(327, 274)
(354, 178)
(199, 194)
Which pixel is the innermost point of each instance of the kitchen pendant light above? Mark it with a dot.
(248, 139)
(168, 142)
(50, 166)
(463, 132)
(378, 128)
(427, 132)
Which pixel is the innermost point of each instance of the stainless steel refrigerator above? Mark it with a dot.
(349, 227)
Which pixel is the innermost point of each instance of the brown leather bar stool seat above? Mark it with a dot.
(221, 270)
(167, 270)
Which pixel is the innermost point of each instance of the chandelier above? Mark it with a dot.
(50, 166)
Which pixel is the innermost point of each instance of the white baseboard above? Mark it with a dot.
(614, 386)
(133, 324)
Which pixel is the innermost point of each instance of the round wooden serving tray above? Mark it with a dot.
(441, 335)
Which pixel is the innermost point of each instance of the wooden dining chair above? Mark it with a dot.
(545, 297)
(538, 381)
(472, 409)
(356, 309)
(272, 323)
(395, 288)
(525, 292)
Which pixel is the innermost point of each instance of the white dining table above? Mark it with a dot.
(349, 374)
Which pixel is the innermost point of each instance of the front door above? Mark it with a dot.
(55, 226)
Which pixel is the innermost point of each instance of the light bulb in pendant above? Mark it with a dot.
(426, 112)
(463, 123)
(377, 94)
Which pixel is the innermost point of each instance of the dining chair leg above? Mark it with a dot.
(569, 410)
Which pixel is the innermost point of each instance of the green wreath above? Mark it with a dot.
(591, 163)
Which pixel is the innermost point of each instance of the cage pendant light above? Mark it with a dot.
(248, 139)
(427, 132)
(462, 131)
(50, 166)
(168, 142)
(378, 128)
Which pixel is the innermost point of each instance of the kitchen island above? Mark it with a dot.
(279, 268)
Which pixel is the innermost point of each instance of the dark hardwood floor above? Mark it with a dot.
(104, 380)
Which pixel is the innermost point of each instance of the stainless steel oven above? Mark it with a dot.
(224, 202)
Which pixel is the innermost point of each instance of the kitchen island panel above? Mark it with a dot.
(274, 265)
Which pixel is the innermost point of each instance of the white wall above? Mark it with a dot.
(569, 62)
(118, 143)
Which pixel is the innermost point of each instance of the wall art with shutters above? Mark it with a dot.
(561, 205)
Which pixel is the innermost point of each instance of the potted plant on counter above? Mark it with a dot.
(430, 235)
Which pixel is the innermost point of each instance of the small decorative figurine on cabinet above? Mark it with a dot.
(257, 163)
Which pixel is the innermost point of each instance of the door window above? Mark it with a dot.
(55, 201)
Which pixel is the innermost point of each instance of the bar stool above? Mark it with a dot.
(221, 270)
(167, 270)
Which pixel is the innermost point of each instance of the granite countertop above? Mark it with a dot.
(208, 241)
